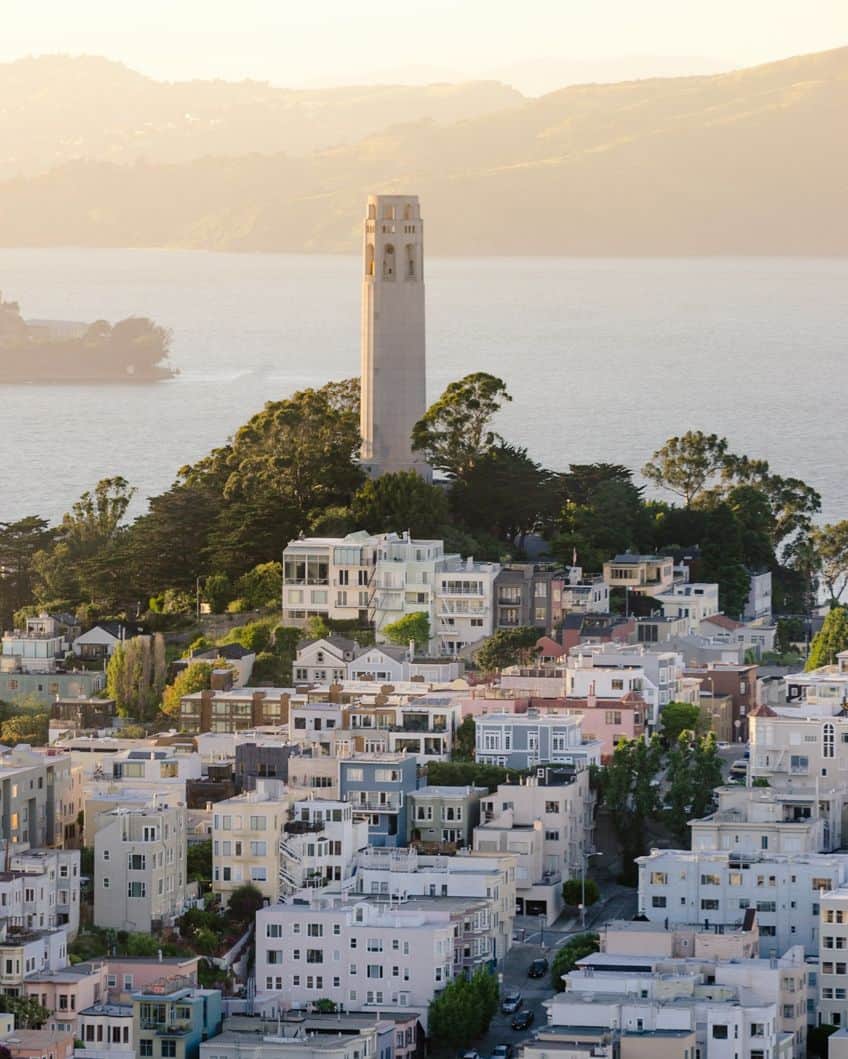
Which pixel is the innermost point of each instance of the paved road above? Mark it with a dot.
(619, 902)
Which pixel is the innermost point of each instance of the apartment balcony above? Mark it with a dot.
(371, 805)
(303, 827)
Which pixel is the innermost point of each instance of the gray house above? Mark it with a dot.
(444, 816)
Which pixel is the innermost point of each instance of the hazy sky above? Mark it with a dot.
(294, 42)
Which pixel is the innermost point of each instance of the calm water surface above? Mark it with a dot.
(604, 358)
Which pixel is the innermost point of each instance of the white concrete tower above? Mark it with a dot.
(392, 340)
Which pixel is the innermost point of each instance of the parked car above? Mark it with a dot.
(503, 1051)
(739, 768)
(511, 1002)
(521, 1020)
(538, 968)
(470, 1055)
(723, 746)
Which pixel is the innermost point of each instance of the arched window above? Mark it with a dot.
(828, 741)
(389, 262)
(408, 215)
(369, 259)
(372, 212)
(410, 261)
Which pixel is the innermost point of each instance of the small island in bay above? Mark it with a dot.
(60, 351)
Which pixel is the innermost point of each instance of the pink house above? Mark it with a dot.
(129, 974)
(65, 993)
(607, 720)
(477, 706)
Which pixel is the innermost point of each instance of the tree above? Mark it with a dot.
(830, 546)
(398, 502)
(245, 901)
(463, 1010)
(197, 676)
(470, 774)
(316, 628)
(135, 676)
(627, 791)
(199, 861)
(572, 892)
(507, 647)
(20, 542)
(679, 717)
(262, 586)
(829, 640)
(504, 494)
(29, 1014)
(567, 958)
(410, 628)
(29, 728)
(688, 464)
(217, 592)
(456, 431)
(464, 742)
(693, 772)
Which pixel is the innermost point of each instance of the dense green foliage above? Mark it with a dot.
(464, 740)
(398, 502)
(199, 861)
(470, 774)
(196, 676)
(829, 640)
(410, 628)
(136, 675)
(679, 717)
(566, 958)
(693, 771)
(29, 1014)
(463, 1010)
(626, 788)
(507, 647)
(572, 892)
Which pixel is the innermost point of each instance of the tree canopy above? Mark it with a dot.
(829, 640)
(411, 627)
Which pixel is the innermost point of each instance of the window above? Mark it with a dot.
(258, 823)
(710, 880)
(136, 862)
(315, 930)
(145, 1048)
(258, 849)
(720, 1033)
(169, 1048)
(258, 874)
(658, 901)
(659, 878)
(709, 904)
(137, 889)
(314, 956)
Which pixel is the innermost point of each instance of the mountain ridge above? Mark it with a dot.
(744, 162)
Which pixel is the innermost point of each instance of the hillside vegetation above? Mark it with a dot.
(749, 162)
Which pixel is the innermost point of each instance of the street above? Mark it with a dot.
(619, 902)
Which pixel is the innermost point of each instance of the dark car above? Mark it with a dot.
(521, 1019)
(511, 1002)
(503, 1051)
(538, 968)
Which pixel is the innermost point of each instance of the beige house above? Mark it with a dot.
(140, 868)
(246, 834)
(648, 575)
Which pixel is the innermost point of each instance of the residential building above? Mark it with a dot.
(323, 659)
(394, 875)
(157, 770)
(99, 642)
(106, 1032)
(692, 600)
(246, 834)
(171, 1018)
(607, 721)
(377, 786)
(66, 992)
(547, 823)
(133, 974)
(39, 1044)
(24, 952)
(31, 652)
(753, 638)
(260, 760)
(312, 1035)
(832, 1007)
(682, 887)
(612, 670)
(393, 348)
(443, 818)
(464, 604)
(18, 686)
(647, 575)
(523, 741)
(319, 845)
(826, 686)
(313, 773)
(80, 714)
(580, 628)
(140, 868)
(329, 576)
(572, 592)
(737, 681)
(524, 595)
(758, 604)
(34, 789)
(363, 953)
(49, 889)
(239, 660)
(234, 710)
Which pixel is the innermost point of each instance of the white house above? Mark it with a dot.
(323, 660)
(694, 600)
(101, 640)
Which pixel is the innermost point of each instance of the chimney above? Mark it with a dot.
(159, 955)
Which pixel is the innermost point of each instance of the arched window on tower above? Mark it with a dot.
(410, 261)
(389, 262)
(369, 259)
(372, 212)
(408, 215)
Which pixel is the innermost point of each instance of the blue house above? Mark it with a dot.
(377, 785)
(170, 1019)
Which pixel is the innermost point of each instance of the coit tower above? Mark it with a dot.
(393, 378)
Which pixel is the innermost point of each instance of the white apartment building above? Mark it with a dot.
(332, 577)
(464, 604)
(140, 867)
(395, 875)
(48, 890)
(799, 749)
(27, 952)
(546, 822)
(826, 686)
(319, 845)
(35, 792)
(659, 671)
(246, 834)
(681, 887)
(106, 1032)
(832, 1008)
(693, 600)
(156, 769)
(406, 577)
(358, 953)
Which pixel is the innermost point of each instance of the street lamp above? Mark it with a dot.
(583, 864)
(542, 930)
